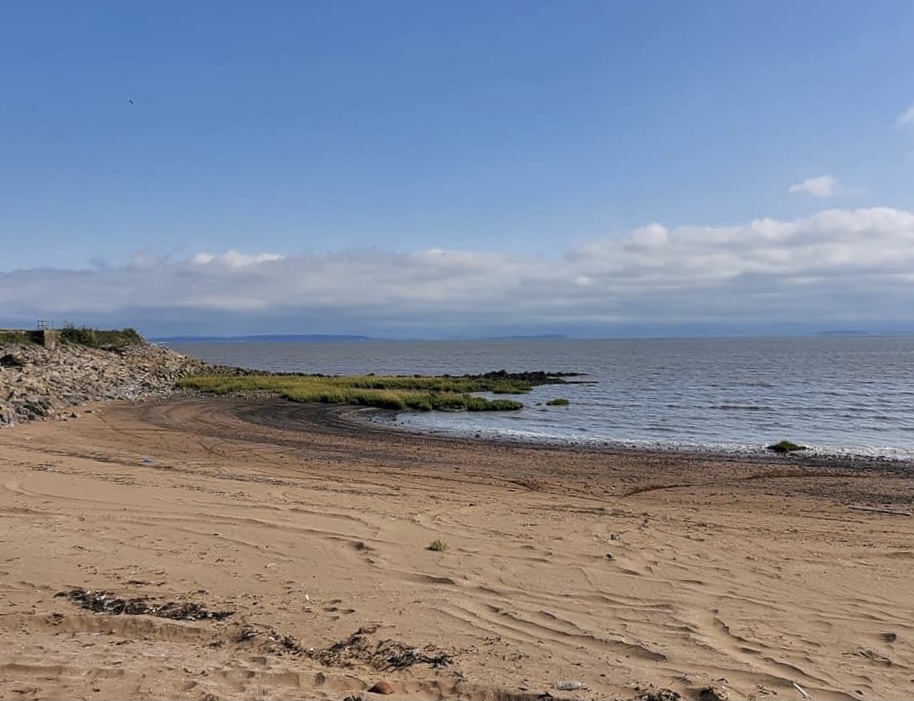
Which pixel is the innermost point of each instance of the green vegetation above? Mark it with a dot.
(559, 401)
(99, 338)
(15, 336)
(76, 335)
(785, 447)
(438, 546)
(420, 393)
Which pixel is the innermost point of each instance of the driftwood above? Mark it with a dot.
(874, 509)
(801, 690)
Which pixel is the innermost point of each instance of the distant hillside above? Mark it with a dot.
(533, 337)
(844, 332)
(266, 338)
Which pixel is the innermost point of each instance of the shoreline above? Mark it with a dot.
(347, 418)
(628, 571)
(812, 455)
(696, 405)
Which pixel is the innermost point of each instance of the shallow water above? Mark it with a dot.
(836, 395)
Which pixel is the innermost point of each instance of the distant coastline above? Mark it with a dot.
(358, 338)
(265, 338)
(332, 338)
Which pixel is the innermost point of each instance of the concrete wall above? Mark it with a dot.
(43, 337)
(48, 338)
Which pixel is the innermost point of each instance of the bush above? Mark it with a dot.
(438, 546)
(99, 338)
(80, 336)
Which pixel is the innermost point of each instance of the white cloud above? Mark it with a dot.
(233, 259)
(821, 186)
(650, 236)
(835, 265)
(906, 118)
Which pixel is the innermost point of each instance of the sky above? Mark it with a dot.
(422, 169)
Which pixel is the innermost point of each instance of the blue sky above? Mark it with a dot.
(343, 143)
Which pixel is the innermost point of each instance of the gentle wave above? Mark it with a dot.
(840, 396)
(743, 407)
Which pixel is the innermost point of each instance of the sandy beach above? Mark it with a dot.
(627, 572)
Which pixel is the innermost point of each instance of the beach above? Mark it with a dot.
(628, 572)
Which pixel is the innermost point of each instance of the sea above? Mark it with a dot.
(842, 396)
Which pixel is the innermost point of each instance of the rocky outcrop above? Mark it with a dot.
(41, 383)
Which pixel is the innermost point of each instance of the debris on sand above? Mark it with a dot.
(106, 602)
(658, 695)
(382, 655)
(277, 642)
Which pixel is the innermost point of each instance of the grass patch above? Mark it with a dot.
(15, 336)
(99, 338)
(438, 546)
(785, 447)
(417, 393)
(559, 401)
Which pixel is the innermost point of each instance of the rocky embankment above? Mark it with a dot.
(38, 383)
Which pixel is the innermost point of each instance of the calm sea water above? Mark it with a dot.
(836, 395)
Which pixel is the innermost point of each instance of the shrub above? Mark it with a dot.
(99, 338)
(438, 546)
(79, 335)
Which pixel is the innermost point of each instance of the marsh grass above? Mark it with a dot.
(418, 393)
(559, 401)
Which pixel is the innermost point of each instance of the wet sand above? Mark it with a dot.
(625, 571)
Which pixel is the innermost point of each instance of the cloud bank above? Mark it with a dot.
(821, 186)
(834, 268)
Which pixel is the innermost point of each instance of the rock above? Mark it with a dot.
(785, 447)
(10, 361)
(37, 383)
(710, 693)
(382, 688)
(7, 416)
